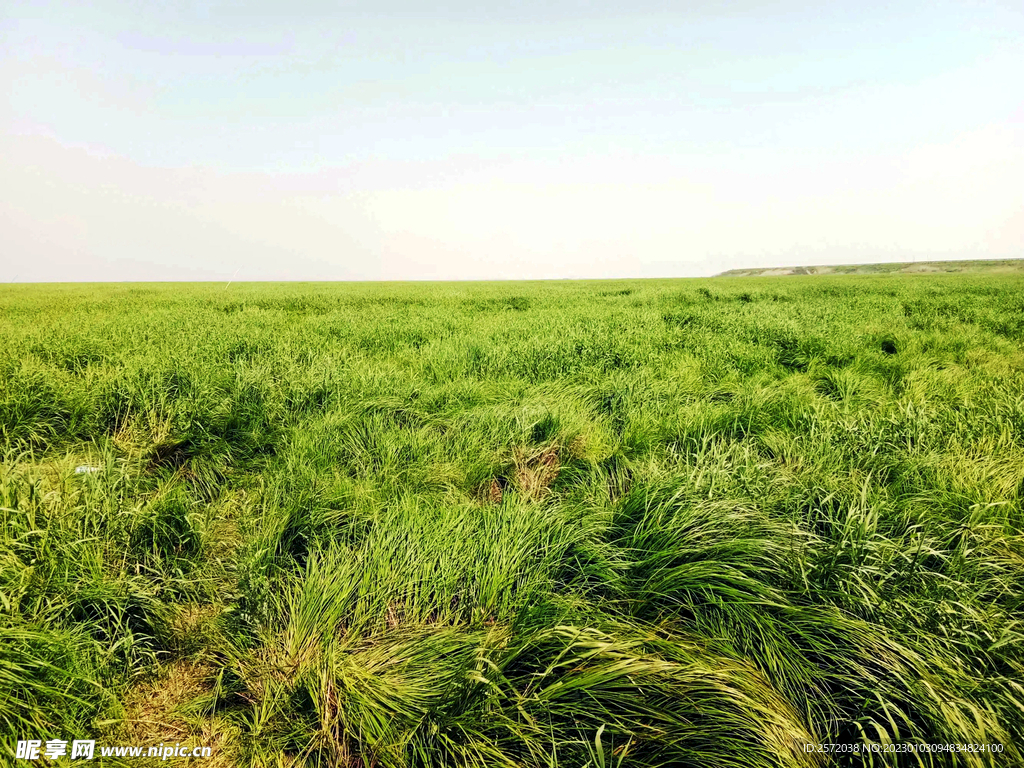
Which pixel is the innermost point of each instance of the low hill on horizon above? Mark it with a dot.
(987, 265)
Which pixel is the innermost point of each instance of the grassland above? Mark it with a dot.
(679, 523)
(975, 266)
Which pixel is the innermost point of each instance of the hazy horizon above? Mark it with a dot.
(261, 142)
(773, 270)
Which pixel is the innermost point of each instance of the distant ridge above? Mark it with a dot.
(995, 265)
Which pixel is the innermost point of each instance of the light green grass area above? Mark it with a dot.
(639, 523)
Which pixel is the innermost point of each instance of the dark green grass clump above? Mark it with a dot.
(647, 523)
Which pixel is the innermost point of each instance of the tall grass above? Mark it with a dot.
(647, 523)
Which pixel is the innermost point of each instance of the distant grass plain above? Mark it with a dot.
(975, 266)
(632, 523)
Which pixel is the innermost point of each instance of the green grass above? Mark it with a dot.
(637, 523)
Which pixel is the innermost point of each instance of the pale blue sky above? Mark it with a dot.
(393, 140)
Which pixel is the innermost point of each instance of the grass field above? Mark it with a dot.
(638, 523)
(976, 266)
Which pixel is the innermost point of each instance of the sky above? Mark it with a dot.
(395, 140)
